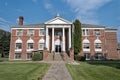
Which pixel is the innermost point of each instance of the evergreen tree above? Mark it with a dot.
(77, 37)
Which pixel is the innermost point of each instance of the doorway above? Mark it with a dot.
(58, 48)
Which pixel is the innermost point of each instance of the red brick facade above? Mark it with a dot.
(107, 42)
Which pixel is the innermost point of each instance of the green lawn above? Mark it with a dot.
(22, 71)
(95, 70)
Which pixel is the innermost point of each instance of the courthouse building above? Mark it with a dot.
(55, 35)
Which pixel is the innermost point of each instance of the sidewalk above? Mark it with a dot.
(57, 71)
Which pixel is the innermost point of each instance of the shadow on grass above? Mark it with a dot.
(3, 59)
(115, 64)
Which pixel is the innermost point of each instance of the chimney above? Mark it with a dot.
(21, 20)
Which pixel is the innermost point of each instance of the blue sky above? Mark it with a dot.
(101, 12)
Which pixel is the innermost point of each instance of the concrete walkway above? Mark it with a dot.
(57, 71)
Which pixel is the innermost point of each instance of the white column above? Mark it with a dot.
(63, 39)
(70, 37)
(53, 45)
(47, 38)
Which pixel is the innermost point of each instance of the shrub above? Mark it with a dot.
(79, 58)
(37, 57)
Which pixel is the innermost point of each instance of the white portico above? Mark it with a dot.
(58, 34)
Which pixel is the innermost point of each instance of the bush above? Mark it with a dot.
(79, 58)
(37, 57)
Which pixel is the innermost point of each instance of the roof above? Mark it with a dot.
(92, 26)
(30, 26)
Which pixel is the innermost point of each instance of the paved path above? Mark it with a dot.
(57, 71)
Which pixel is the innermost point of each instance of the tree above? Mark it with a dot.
(5, 44)
(77, 37)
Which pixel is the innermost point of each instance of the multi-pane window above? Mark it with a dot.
(41, 46)
(86, 45)
(19, 32)
(18, 46)
(97, 32)
(98, 46)
(17, 55)
(98, 56)
(85, 32)
(42, 32)
(87, 56)
(30, 32)
(29, 56)
(30, 46)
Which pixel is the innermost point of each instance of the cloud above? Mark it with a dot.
(85, 10)
(48, 6)
(4, 24)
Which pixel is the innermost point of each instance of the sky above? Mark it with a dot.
(98, 12)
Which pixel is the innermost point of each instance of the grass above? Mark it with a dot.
(95, 70)
(22, 71)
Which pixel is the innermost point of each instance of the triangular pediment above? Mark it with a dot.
(58, 20)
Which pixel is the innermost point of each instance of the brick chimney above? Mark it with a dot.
(20, 20)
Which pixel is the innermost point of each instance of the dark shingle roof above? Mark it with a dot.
(30, 26)
(92, 26)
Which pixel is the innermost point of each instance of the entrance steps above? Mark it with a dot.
(58, 57)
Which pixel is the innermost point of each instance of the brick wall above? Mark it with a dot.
(24, 39)
(111, 45)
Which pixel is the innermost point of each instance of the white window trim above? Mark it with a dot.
(17, 59)
(28, 32)
(27, 58)
(97, 35)
(40, 32)
(85, 32)
(17, 32)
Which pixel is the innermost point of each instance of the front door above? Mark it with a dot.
(57, 48)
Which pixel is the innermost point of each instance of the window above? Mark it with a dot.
(86, 45)
(30, 46)
(41, 44)
(42, 31)
(17, 55)
(98, 56)
(19, 32)
(87, 56)
(18, 46)
(85, 32)
(29, 56)
(98, 45)
(30, 32)
(97, 32)
(58, 33)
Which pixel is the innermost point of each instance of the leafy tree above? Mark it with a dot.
(77, 37)
(4, 44)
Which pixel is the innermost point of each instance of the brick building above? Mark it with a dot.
(98, 42)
